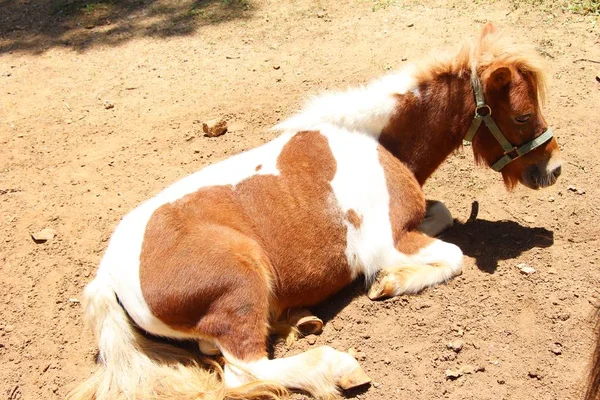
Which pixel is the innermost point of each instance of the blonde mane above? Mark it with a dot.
(475, 56)
(369, 108)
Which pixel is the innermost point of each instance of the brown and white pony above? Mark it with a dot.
(221, 255)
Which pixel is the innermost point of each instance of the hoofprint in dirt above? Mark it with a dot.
(71, 164)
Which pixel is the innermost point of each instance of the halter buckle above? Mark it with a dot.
(483, 111)
(512, 154)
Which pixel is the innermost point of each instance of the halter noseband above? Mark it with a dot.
(483, 112)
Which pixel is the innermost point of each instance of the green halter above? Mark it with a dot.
(483, 113)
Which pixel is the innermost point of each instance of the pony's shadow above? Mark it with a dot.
(491, 241)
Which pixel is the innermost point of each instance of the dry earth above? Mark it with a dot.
(70, 163)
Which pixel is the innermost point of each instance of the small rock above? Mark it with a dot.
(214, 128)
(321, 14)
(73, 300)
(9, 328)
(311, 339)
(337, 325)
(108, 105)
(44, 235)
(551, 199)
(563, 317)
(457, 345)
(453, 374)
(525, 269)
(276, 66)
(535, 374)
(501, 381)
(410, 25)
(556, 349)
(529, 219)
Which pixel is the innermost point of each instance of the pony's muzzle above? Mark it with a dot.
(537, 177)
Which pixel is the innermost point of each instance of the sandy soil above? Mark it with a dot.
(69, 163)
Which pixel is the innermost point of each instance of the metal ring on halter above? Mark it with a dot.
(483, 107)
(513, 154)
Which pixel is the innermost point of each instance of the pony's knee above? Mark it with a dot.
(437, 219)
(441, 253)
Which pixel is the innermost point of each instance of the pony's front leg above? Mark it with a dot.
(425, 262)
(437, 219)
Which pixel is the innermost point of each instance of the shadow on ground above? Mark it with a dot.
(37, 25)
(491, 241)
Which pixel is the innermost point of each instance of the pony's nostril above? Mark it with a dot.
(557, 171)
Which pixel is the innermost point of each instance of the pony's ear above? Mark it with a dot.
(498, 78)
(488, 29)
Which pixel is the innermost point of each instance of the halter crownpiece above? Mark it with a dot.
(483, 113)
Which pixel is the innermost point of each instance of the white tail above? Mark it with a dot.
(135, 367)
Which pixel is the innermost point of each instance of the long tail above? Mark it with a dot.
(134, 367)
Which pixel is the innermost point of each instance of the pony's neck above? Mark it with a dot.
(430, 123)
(420, 120)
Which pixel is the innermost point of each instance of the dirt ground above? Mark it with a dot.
(71, 162)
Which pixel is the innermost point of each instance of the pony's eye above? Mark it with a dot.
(523, 118)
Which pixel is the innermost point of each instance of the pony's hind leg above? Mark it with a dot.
(319, 371)
(430, 262)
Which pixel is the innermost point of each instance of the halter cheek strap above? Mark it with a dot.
(483, 113)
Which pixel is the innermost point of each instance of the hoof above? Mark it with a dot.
(381, 289)
(356, 378)
(208, 348)
(310, 325)
(306, 323)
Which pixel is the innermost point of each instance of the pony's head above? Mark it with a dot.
(512, 89)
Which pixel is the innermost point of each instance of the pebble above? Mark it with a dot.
(572, 188)
(529, 220)
(338, 326)
(457, 345)
(9, 328)
(556, 349)
(214, 128)
(563, 317)
(108, 105)
(535, 374)
(44, 235)
(525, 269)
(453, 374)
(311, 339)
